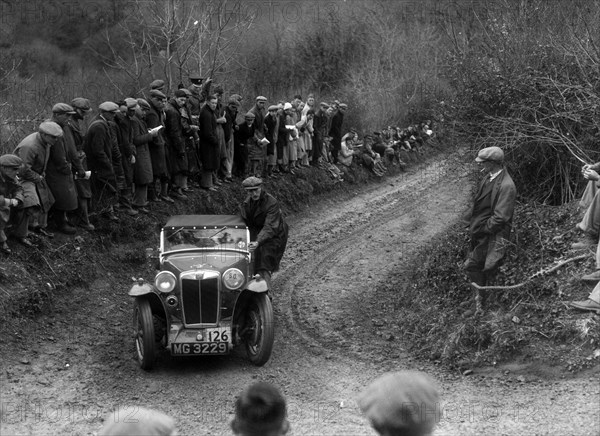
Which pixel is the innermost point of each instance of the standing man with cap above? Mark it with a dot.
(335, 131)
(268, 229)
(63, 162)
(209, 143)
(319, 132)
(34, 150)
(259, 114)
(490, 217)
(404, 403)
(260, 410)
(82, 107)
(176, 133)
(142, 170)
(271, 129)
(199, 95)
(124, 122)
(98, 147)
(155, 119)
(11, 195)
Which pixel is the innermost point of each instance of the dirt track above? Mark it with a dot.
(66, 376)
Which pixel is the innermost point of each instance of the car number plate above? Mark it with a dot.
(219, 334)
(200, 348)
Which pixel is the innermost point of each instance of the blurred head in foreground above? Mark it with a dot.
(401, 404)
(260, 410)
(138, 421)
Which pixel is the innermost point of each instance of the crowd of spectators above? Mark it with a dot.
(160, 148)
(396, 403)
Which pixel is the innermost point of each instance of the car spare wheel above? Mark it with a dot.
(259, 329)
(145, 341)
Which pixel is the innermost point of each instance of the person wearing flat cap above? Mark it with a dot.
(320, 121)
(104, 159)
(268, 229)
(147, 422)
(335, 131)
(490, 217)
(177, 130)
(404, 403)
(157, 84)
(73, 127)
(200, 92)
(260, 410)
(11, 196)
(34, 150)
(63, 164)
(271, 133)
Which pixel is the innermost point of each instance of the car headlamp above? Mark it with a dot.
(165, 281)
(233, 278)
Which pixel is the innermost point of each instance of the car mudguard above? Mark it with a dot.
(138, 289)
(257, 286)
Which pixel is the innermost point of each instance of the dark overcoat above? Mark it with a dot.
(35, 154)
(142, 169)
(156, 117)
(59, 172)
(175, 136)
(82, 185)
(209, 142)
(267, 227)
(98, 147)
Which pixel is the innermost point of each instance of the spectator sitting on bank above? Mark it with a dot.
(346, 151)
(11, 195)
(384, 149)
(401, 403)
(260, 410)
(371, 159)
(138, 421)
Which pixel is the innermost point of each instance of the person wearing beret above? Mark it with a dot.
(34, 150)
(490, 217)
(268, 229)
(209, 143)
(176, 133)
(80, 217)
(155, 119)
(11, 195)
(62, 164)
(260, 410)
(143, 422)
(404, 403)
(104, 157)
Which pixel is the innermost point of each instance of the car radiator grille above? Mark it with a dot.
(200, 300)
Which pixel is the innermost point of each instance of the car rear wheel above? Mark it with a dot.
(145, 341)
(260, 329)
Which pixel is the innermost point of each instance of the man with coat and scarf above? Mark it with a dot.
(490, 217)
(209, 143)
(268, 230)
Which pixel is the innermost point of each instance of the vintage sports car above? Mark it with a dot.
(205, 299)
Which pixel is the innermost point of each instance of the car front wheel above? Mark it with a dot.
(145, 342)
(259, 329)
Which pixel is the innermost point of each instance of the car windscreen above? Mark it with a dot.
(181, 238)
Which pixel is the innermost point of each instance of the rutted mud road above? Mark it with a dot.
(64, 377)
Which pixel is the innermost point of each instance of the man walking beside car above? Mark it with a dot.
(268, 230)
(490, 217)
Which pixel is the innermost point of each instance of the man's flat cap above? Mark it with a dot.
(252, 183)
(157, 94)
(187, 92)
(405, 400)
(233, 101)
(81, 103)
(261, 98)
(109, 106)
(63, 108)
(343, 105)
(180, 93)
(238, 97)
(157, 84)
(494, 154)
(287, 106)
(143, 103)
(249, 116)
(10, 161)
(273, 107)
(131, 102)
(324, 105)
(51, 128)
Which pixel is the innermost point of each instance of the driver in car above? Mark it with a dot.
(268, 230)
